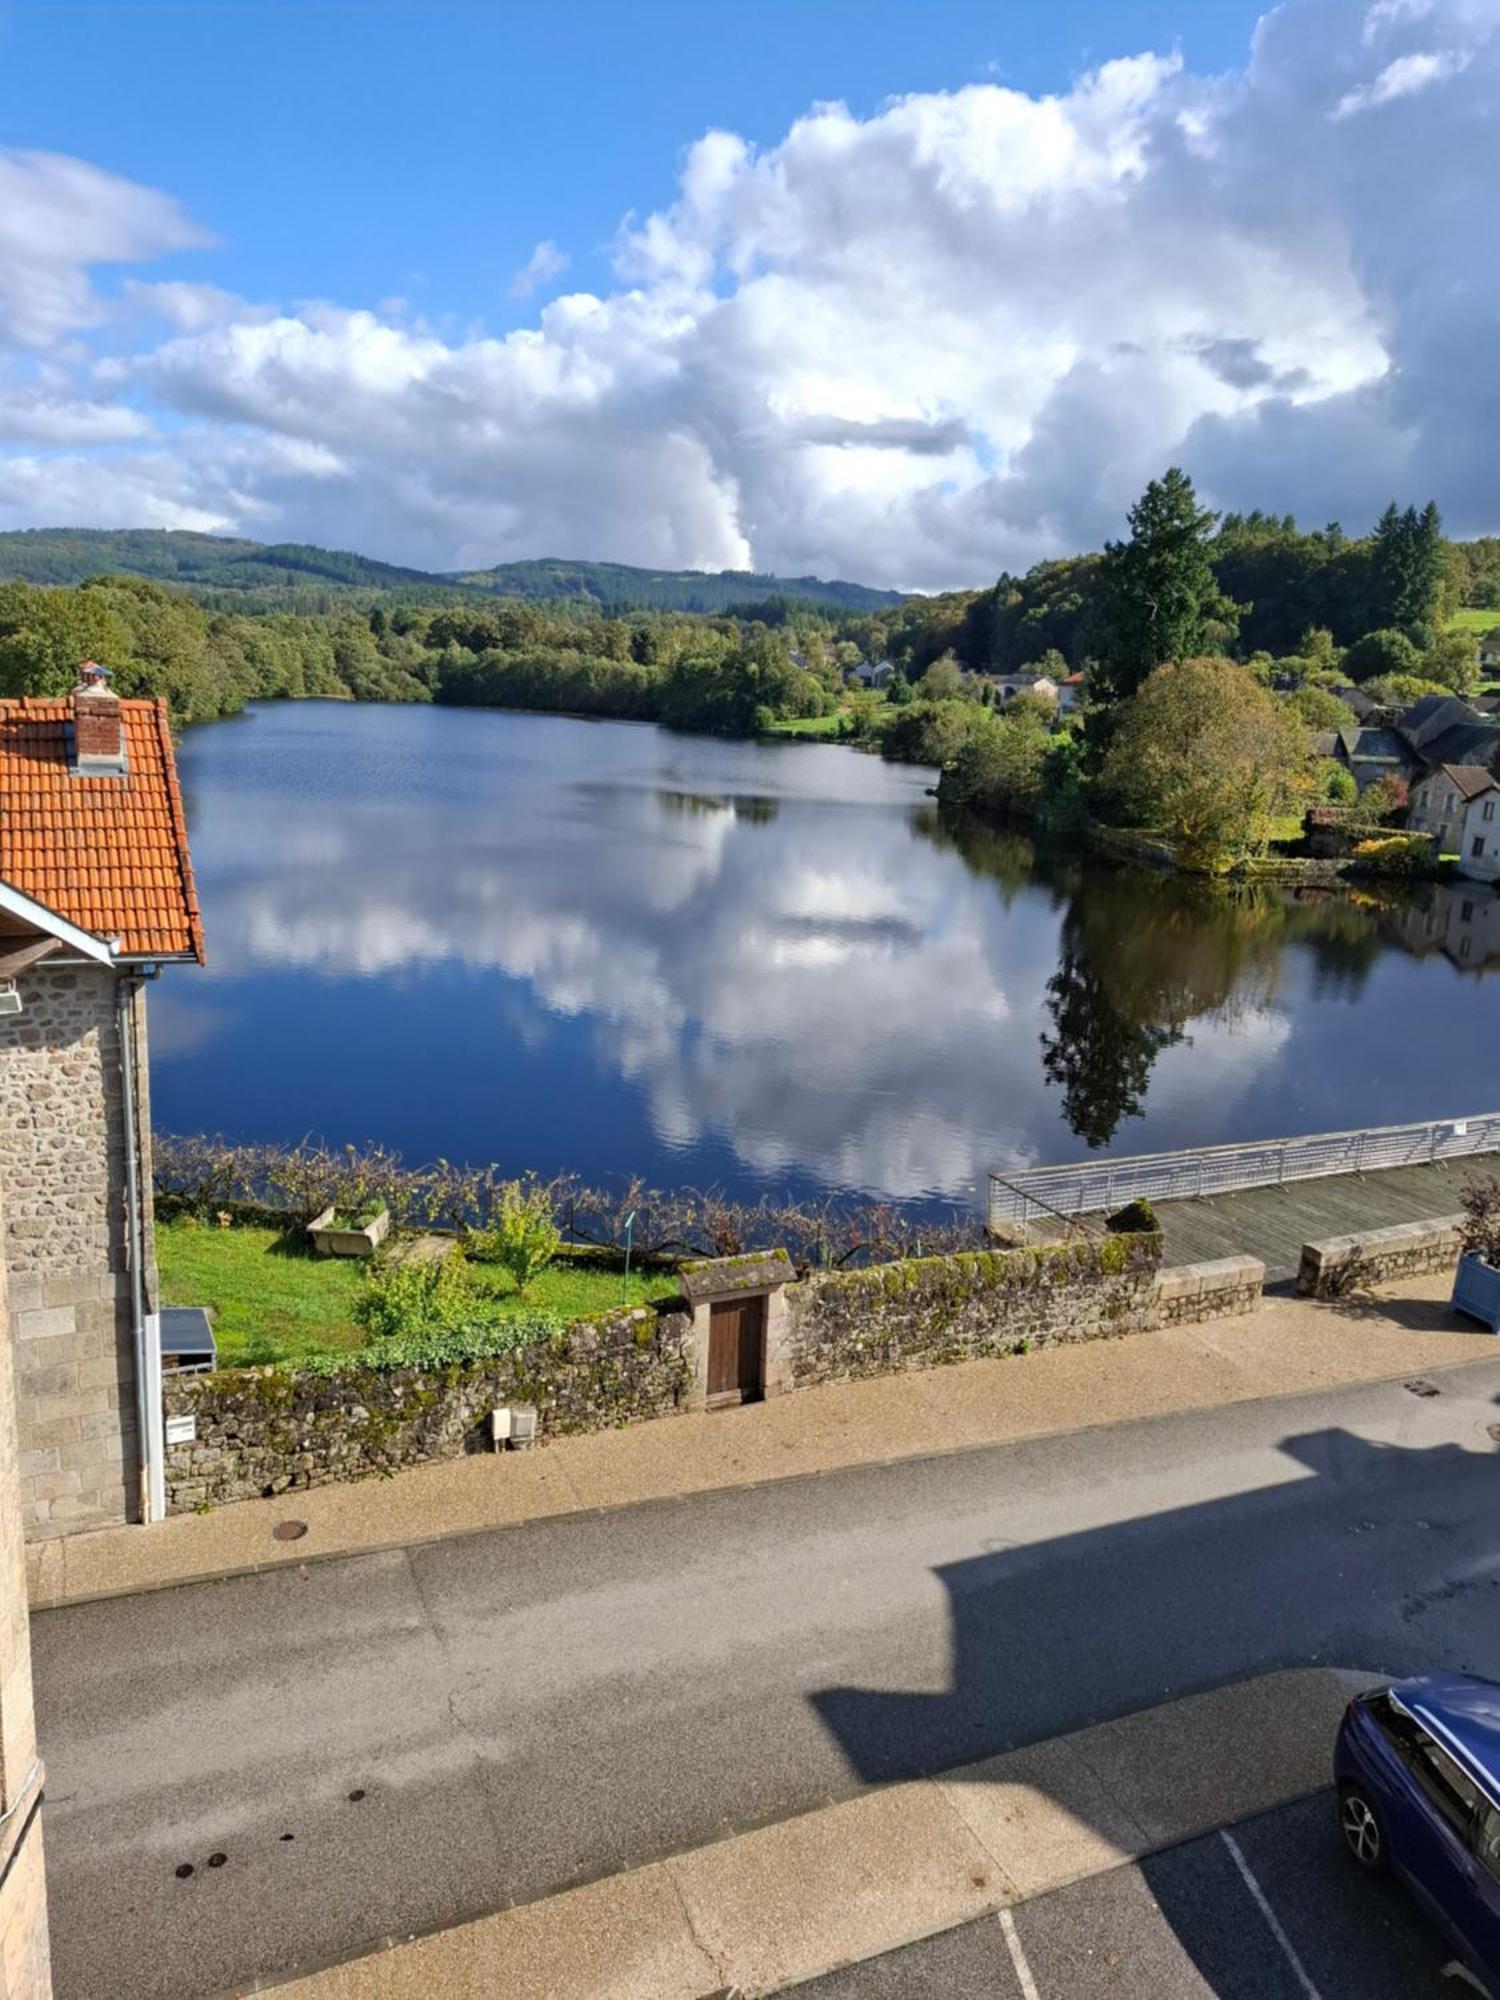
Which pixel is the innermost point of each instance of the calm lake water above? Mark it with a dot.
(598, 947)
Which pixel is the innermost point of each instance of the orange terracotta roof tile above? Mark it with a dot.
(110, 854)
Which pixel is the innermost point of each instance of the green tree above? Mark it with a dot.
(1321, 710)
(1162, 601)
(997, 769)
(1385, 651)
(1408, 564)
(1451, 661)
(46, 635)
(1205, 754)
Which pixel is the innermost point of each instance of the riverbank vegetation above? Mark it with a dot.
(1252, 624)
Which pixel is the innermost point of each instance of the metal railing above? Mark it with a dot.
(1097, 1186)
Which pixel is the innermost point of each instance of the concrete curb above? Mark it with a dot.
(786, 1903)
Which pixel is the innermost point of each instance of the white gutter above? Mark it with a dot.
(148, 1416)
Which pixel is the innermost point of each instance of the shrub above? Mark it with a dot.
(1481, 1225)
(439, 1347)
(1396, 853)
(524, 1236)
(1136, 1218)
(411, 1299)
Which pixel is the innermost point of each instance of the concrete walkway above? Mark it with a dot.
(783, 1904)
(1288, 1347)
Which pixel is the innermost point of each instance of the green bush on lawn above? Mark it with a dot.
(274, 1300)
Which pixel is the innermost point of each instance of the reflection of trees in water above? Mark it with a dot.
(750, 808)
(1142, 955)
(1100, 1060)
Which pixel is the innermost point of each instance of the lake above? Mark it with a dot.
(599, 947)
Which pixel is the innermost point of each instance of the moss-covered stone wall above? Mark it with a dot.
(923, 1311)
(268, 1430)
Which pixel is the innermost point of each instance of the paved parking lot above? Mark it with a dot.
(1185, 1924)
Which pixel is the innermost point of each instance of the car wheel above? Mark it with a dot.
(1360, 1824)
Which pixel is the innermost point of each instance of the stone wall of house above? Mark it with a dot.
(1342, 1264)
(24, 1960)
(262, 1431)
(922, 1311)
(62, 1149)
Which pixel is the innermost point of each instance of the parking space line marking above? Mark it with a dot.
(1274, 1922)
(1018, 1957)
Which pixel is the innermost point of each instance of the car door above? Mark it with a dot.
(1442, 1866)
(1487, 1887)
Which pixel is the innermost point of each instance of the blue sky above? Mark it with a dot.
(360, 149)
(901, 292)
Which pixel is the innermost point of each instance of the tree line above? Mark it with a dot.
(1258, 621)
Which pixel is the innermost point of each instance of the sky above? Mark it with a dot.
(908, 292)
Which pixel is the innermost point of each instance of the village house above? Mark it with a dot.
(874, 674)
(1439, 801)
(1478, 846)
(1441, 729)
(96, 897)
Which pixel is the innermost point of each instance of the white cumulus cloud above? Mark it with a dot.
(953, 335)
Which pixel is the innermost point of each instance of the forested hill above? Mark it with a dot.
(280, 575)
(619, 587)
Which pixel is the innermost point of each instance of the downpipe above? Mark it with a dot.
(148, 1417)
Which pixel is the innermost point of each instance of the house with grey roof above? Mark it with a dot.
(1440, 800)
(1442, 729)
(1375, 753)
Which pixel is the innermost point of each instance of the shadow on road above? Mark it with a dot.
(1358, 1560)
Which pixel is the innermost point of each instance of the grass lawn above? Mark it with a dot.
(273, 1299)
(808, 725)
(1470, 620)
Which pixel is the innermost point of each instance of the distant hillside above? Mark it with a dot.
(220, 566)
(619, 586)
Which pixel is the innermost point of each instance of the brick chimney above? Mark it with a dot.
(98, 733)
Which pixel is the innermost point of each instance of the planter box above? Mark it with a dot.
(1476, 1291)
(361, 1242)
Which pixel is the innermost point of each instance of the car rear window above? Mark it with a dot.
(1487, 1845)
(1442, 1781)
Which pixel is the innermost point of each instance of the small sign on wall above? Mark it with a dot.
(182, 1430)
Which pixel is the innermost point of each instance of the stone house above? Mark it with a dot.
(1479, 840)
(1439, 802)
(96, 896)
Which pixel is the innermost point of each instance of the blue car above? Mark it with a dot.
(1418, 1772)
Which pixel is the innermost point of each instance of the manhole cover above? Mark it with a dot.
(1422, 1388)
(1495, 1432)
(293, 1531)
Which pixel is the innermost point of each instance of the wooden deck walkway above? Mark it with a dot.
(1273, 1223)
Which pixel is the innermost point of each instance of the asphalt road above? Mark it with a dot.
(388, 1743)
(1186, 1925)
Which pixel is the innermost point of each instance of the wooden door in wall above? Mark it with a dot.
(736, 1349)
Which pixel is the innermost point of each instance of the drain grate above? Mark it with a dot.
(1422, 1387)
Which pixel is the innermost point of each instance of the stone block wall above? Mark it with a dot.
(270, 1430)
(923, 1311)
(62, 1151)
(1221, 1288)
(1341, 1264)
